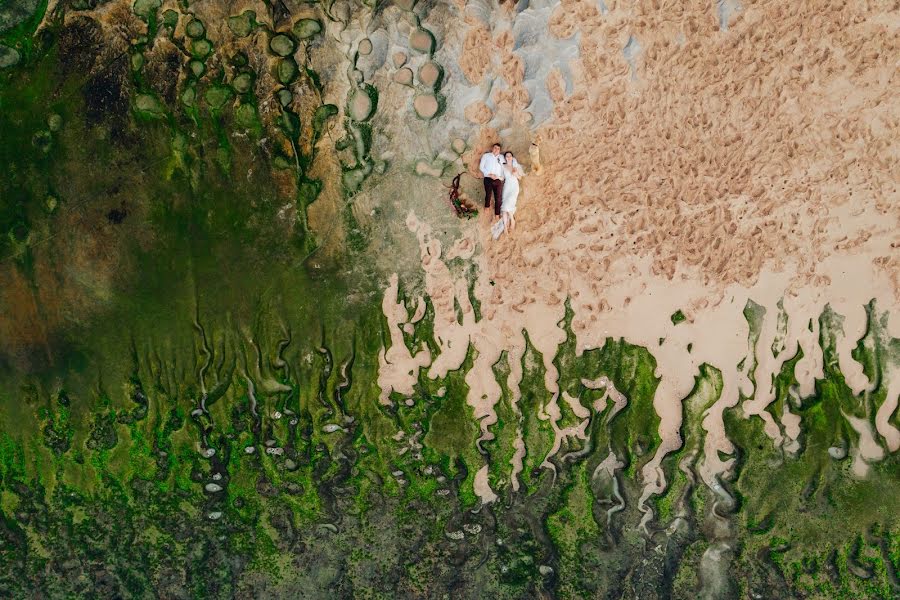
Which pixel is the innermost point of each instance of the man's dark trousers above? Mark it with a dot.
(494, 186)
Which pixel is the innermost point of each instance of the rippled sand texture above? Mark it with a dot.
(692, 160)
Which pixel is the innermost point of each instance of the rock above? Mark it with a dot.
(290, 465)
(213, 488)
(215, 515)
(545, 570)
(837, 453)
(458, 145)
(54, 122)
(426, 106)
(282, 45)
(399, 59)
(360, 107)
(307, 28)
(365, 47)
(331, 428)
(429, 74)
(249, 450)
(404, 76)
(421, 40)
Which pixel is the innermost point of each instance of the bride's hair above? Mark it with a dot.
(510, 153)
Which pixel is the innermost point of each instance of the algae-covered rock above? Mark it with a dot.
(8, 56)
(282, 45)
(287, 71)
(307, 28)
(146, 8)
(217, 95)
(242, 83)
(285, 97)
(243, 24)
(201, 48)
(149, 105)
(170, 18)
(195, 29)
(197, 68)
(54, 122)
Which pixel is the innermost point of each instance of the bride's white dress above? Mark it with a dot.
(510, 191)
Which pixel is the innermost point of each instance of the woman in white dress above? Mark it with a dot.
(512, 172)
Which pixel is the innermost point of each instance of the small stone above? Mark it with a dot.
(331, 428)
(458, 145)
(443, 492)
(290, 465)
(545, 570)
(276, 415)
(213, 488)
(397, 473)
(269, 443)
(410, 402)
(209, 452)
(399, 59)
(456, 535)
(250, 449)
(275, 451)
(365, 47)
(215, 515)
(282, 45)
(217, 477)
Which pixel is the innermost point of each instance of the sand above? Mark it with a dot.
(709, 168)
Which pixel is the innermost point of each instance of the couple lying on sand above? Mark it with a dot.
(501, 173)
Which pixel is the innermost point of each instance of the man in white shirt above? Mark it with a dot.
(491, 167)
